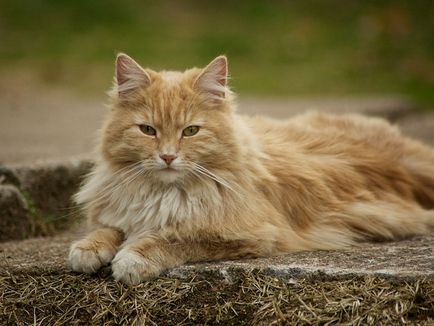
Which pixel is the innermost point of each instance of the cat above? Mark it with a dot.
(181, 177)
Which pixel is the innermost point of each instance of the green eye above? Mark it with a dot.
(147, 130)
(190, 131)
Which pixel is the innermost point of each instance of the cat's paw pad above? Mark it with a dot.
(87, 258)
(132, 268)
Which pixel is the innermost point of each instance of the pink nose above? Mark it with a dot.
(168, 158)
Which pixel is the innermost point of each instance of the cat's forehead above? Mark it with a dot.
(170, 100)
(171, 78)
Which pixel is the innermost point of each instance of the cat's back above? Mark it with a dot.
(345, 155)
(328, 134)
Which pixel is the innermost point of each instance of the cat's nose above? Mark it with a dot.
(168, 158)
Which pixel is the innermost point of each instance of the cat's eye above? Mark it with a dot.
(190, 131)
(147, 130)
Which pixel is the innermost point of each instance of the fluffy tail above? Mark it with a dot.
(385, 219)
(370, 221)
(419, 160)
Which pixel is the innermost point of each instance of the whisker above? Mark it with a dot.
(120, 173)
(209, 172)
(213, 177)
(202, 170)
(141, 171)
(133, 172)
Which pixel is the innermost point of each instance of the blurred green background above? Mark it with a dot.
(275, 48)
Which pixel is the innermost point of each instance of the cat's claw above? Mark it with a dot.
(131, 268)
(84, 258)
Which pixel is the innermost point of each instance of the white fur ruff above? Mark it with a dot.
(142, 207)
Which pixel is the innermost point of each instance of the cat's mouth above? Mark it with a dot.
(169, 169)
(169, 174)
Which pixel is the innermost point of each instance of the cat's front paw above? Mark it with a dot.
(131, 268)
(88, 257)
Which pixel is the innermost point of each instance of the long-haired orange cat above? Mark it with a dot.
(182, 178)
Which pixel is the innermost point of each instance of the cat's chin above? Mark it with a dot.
(169, 175)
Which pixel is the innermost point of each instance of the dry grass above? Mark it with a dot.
(60, 298)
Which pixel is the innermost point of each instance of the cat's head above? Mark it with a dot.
(168, 125)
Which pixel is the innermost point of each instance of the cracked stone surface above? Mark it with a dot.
(401, 259)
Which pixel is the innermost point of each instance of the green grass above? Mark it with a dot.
(279, 48)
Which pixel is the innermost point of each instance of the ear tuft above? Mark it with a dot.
(129, 74)
(213, 78)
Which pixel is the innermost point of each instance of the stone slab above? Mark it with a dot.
(16, 222)
(400, 260)
(37, 199)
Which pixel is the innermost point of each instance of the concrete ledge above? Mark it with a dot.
(16, 221)
(51, 185)
(401, 260)
(406, 259)
(36, 200)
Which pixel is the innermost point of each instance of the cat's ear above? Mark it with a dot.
(213, 78)
(129, 75)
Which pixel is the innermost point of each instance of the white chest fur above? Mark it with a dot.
(141, 207)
